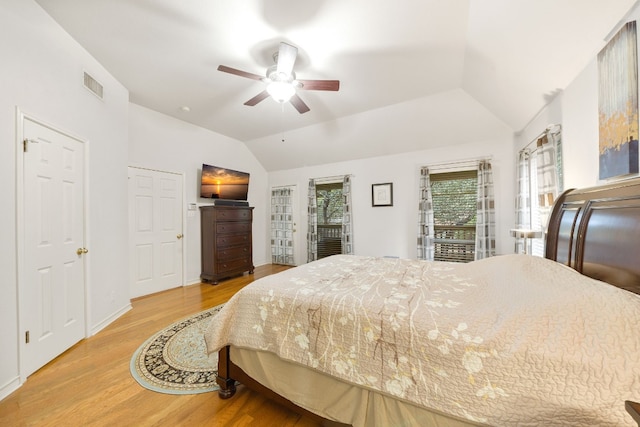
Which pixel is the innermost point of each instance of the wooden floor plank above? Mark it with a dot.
(90, 384)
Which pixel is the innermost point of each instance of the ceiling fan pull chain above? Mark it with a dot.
(282, 121)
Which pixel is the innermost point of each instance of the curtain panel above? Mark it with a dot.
(282, 226)
(312, 223)
(347, 229)
(523, 197)
(485, 218)
(548, 176)
(540, 181)
(426, 234)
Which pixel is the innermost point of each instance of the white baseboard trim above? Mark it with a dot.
(190, 282)
(9, 387)
(110, 319)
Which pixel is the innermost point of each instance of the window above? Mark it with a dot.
(329, 200)
(540, 180)
(454, 196)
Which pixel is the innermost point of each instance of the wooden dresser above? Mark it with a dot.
(226, 241)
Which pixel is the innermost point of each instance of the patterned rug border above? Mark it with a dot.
(193, 377)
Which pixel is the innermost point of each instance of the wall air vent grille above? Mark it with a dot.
(93, 86)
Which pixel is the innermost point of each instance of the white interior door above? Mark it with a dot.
(52, 259)
(155, 225)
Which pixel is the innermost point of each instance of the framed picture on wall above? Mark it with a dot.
(618, 105)
(382, 194)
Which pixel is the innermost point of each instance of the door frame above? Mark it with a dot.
(183, 210)
(21, 116)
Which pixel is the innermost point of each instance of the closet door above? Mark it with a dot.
(155, 228)
(53, 255)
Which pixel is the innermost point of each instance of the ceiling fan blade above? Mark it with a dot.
(240, 73)
(320, 84)
(259, 97)
(286, 58)
(299, 104)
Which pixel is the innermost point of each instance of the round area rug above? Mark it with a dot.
(175, 361)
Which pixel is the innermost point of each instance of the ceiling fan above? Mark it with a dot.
(281, 80)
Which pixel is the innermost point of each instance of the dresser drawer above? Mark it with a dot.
(233, 214)
(233, 253)
(233, 227)
(225, 240)
(234, 265)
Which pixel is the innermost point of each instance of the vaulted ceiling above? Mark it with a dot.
(428, 62)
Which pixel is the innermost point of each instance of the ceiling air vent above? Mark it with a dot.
(92, 85)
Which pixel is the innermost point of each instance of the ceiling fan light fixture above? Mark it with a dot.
(281, 91)
(280, 80)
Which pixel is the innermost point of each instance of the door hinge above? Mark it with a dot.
(26, 337)
(25, 144)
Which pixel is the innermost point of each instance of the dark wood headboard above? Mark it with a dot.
(596, 231)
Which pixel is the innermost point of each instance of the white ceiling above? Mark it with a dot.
(509, 57)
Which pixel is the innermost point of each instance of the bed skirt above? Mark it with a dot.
(333, 399)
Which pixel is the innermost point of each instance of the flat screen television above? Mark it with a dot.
(223, 183)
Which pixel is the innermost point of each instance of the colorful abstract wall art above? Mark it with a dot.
(618, 104)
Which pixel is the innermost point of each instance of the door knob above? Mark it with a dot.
(81, 251)
(179, 236)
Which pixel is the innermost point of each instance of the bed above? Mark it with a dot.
(510, 340)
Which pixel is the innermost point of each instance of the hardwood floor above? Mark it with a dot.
(90, 384)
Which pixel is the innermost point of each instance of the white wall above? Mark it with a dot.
(392, 231)
(41, 73)
(160, 142)
(580, 130)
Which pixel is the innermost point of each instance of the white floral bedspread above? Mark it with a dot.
(508, 341)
